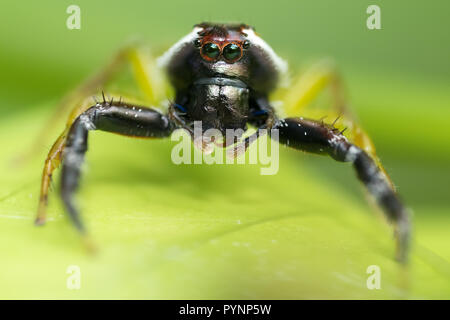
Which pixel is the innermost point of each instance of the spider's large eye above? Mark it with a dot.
(232, 52)
(210, 51)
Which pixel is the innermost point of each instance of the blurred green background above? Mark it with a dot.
(167, 231)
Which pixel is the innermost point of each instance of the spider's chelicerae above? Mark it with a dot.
(222, 75)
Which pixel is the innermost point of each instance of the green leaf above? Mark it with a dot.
(167, 231)
(199, 231)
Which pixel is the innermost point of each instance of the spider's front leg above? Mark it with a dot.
(120, 118)
(317, 137)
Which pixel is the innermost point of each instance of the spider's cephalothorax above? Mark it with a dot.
(222, 75)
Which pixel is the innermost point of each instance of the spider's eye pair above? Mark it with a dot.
(231, 52)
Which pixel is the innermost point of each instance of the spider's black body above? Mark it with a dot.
(222, 94)
(222, 75)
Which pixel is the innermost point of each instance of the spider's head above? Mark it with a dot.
(223, 50)
(218, 71)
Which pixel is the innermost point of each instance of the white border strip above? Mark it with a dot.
(164, 60)
(279, 63)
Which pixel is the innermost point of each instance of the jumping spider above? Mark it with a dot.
(222, 75)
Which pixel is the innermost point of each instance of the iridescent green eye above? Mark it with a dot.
(232, 52)
(211, 51)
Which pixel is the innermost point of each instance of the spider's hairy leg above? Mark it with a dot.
(145, 73)
(120, 118)
(54, 157)
(317, 137)
(53, 161)
(309, 85)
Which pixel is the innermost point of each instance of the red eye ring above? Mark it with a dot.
(232, 52)
(210, 51)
